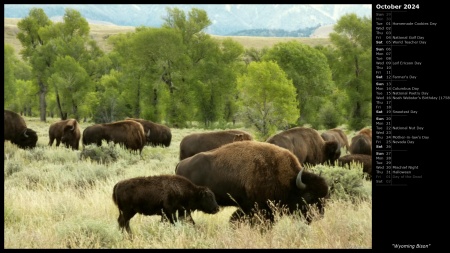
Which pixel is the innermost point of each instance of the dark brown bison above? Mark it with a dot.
(361, 144)
(199, 142)
(337, 135)
(157, 134)
(65, 131)
(128, 133)
(365, 160)
(163, 195)
(249, 173)
(307, 145)
(16, 131)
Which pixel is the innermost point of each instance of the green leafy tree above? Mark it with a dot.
(8, 75)
(32, 43)
(267, 98)
(216, 86)
(309, 71)
(71, 82)
(352, 68)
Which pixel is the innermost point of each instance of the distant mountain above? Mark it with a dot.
(269, 20)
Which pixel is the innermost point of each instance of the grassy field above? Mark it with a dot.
(53, 198)
(100, 33)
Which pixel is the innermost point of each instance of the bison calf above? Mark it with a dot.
(161, 195)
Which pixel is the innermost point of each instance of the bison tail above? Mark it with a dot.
(114, 196)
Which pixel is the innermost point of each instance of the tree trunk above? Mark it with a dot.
(58, 103)
(42, 103)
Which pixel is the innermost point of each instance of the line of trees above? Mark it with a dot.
(177, 74)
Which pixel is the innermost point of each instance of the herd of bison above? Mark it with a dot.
(216, 169)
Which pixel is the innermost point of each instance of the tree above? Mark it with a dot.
(308, 69)
(267, 98)
(32, 42)
(70, 81)
(352, 38)
(8, 76)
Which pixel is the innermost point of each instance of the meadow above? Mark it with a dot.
(58, 198)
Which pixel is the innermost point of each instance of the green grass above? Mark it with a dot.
(54, 198)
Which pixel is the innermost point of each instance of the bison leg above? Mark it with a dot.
(58, 141)
(184, 215)
(51, 140)
(124, 220)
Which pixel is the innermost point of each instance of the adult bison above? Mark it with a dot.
(337, 135)
(17, 132)
(249, 174)
(367, 132)
(163, 195)
(198, 142)
(157, 134)
(307, 144)
(128, 133)
(361, 144)
(365, 160)
(65, 131)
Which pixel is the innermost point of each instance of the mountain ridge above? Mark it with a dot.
(273, 20)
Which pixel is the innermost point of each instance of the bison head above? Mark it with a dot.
(27, 139)
(313, 192)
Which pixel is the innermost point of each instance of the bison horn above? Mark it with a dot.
(73, 127)
(25, 133)
(148, 133)
(298, 181)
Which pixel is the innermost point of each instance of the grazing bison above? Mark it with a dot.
(249, 173)
(365, 160)
(126, 132)
(162, 195)
(337, 135)
(307, 145)
(16, 131)
(361, 144)
(65, 131)
(157, 134)
(199, 142)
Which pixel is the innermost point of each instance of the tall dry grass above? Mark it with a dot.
(55, 199)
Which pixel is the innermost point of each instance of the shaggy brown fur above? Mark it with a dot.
(16, 131)
(337, 135)
(307, 145)
(361, 144)
(199, 142)
(163, 195)
(251, 172)
(365, 160)
(126, 132)
(65, 131)
(160, 135)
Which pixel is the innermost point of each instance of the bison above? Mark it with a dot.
(337, 135)
(163, 195)
(307, 145)
(17, 132)
(361, 144)
(365, 160)
(65, 131)
(157, 134)
(367, 132)
(199, 142)
(253, 175)
(128, 133)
